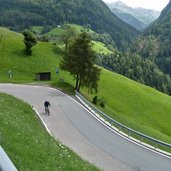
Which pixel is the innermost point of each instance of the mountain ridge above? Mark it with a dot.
(156, 41)
(141, 14)
(19, 14)
(129, 19)
(166, 10)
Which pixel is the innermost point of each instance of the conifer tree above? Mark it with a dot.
(29, 41)
(80, 61)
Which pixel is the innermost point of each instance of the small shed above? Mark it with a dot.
(43, 76)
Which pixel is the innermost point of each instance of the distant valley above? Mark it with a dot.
(139, 18)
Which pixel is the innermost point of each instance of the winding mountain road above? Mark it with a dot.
(75, 127)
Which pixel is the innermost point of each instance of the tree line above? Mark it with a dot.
(133, 66)
(155, 43)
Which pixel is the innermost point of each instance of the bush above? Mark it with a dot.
(29, 41)
(102, 102)
(95, 100)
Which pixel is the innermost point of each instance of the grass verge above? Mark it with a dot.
(29, 145)
(137, 106)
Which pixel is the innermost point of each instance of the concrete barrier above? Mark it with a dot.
(5, 162)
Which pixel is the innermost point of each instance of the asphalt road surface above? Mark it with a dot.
(75, 127)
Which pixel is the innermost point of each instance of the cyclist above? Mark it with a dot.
(46, 105)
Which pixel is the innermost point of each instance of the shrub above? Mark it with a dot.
(95, 100)
(102, 102)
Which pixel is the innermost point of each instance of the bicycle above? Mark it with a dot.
(46, 105)
(47, 110)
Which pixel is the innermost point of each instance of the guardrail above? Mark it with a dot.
(140, 138)
(5, 162)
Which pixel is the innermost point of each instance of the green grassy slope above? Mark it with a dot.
(29, 145)
(99, 47)
(55, 32)
(59, 30)
(135, 105)
(45, 57)
(37, 29)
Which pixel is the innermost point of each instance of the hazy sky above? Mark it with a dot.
(149, 4)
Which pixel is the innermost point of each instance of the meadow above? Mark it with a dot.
(135, 105)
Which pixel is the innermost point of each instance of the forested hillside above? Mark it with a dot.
(156, 42)
(133, 66)
(155, 46)
(19, 14)
(130, 19)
